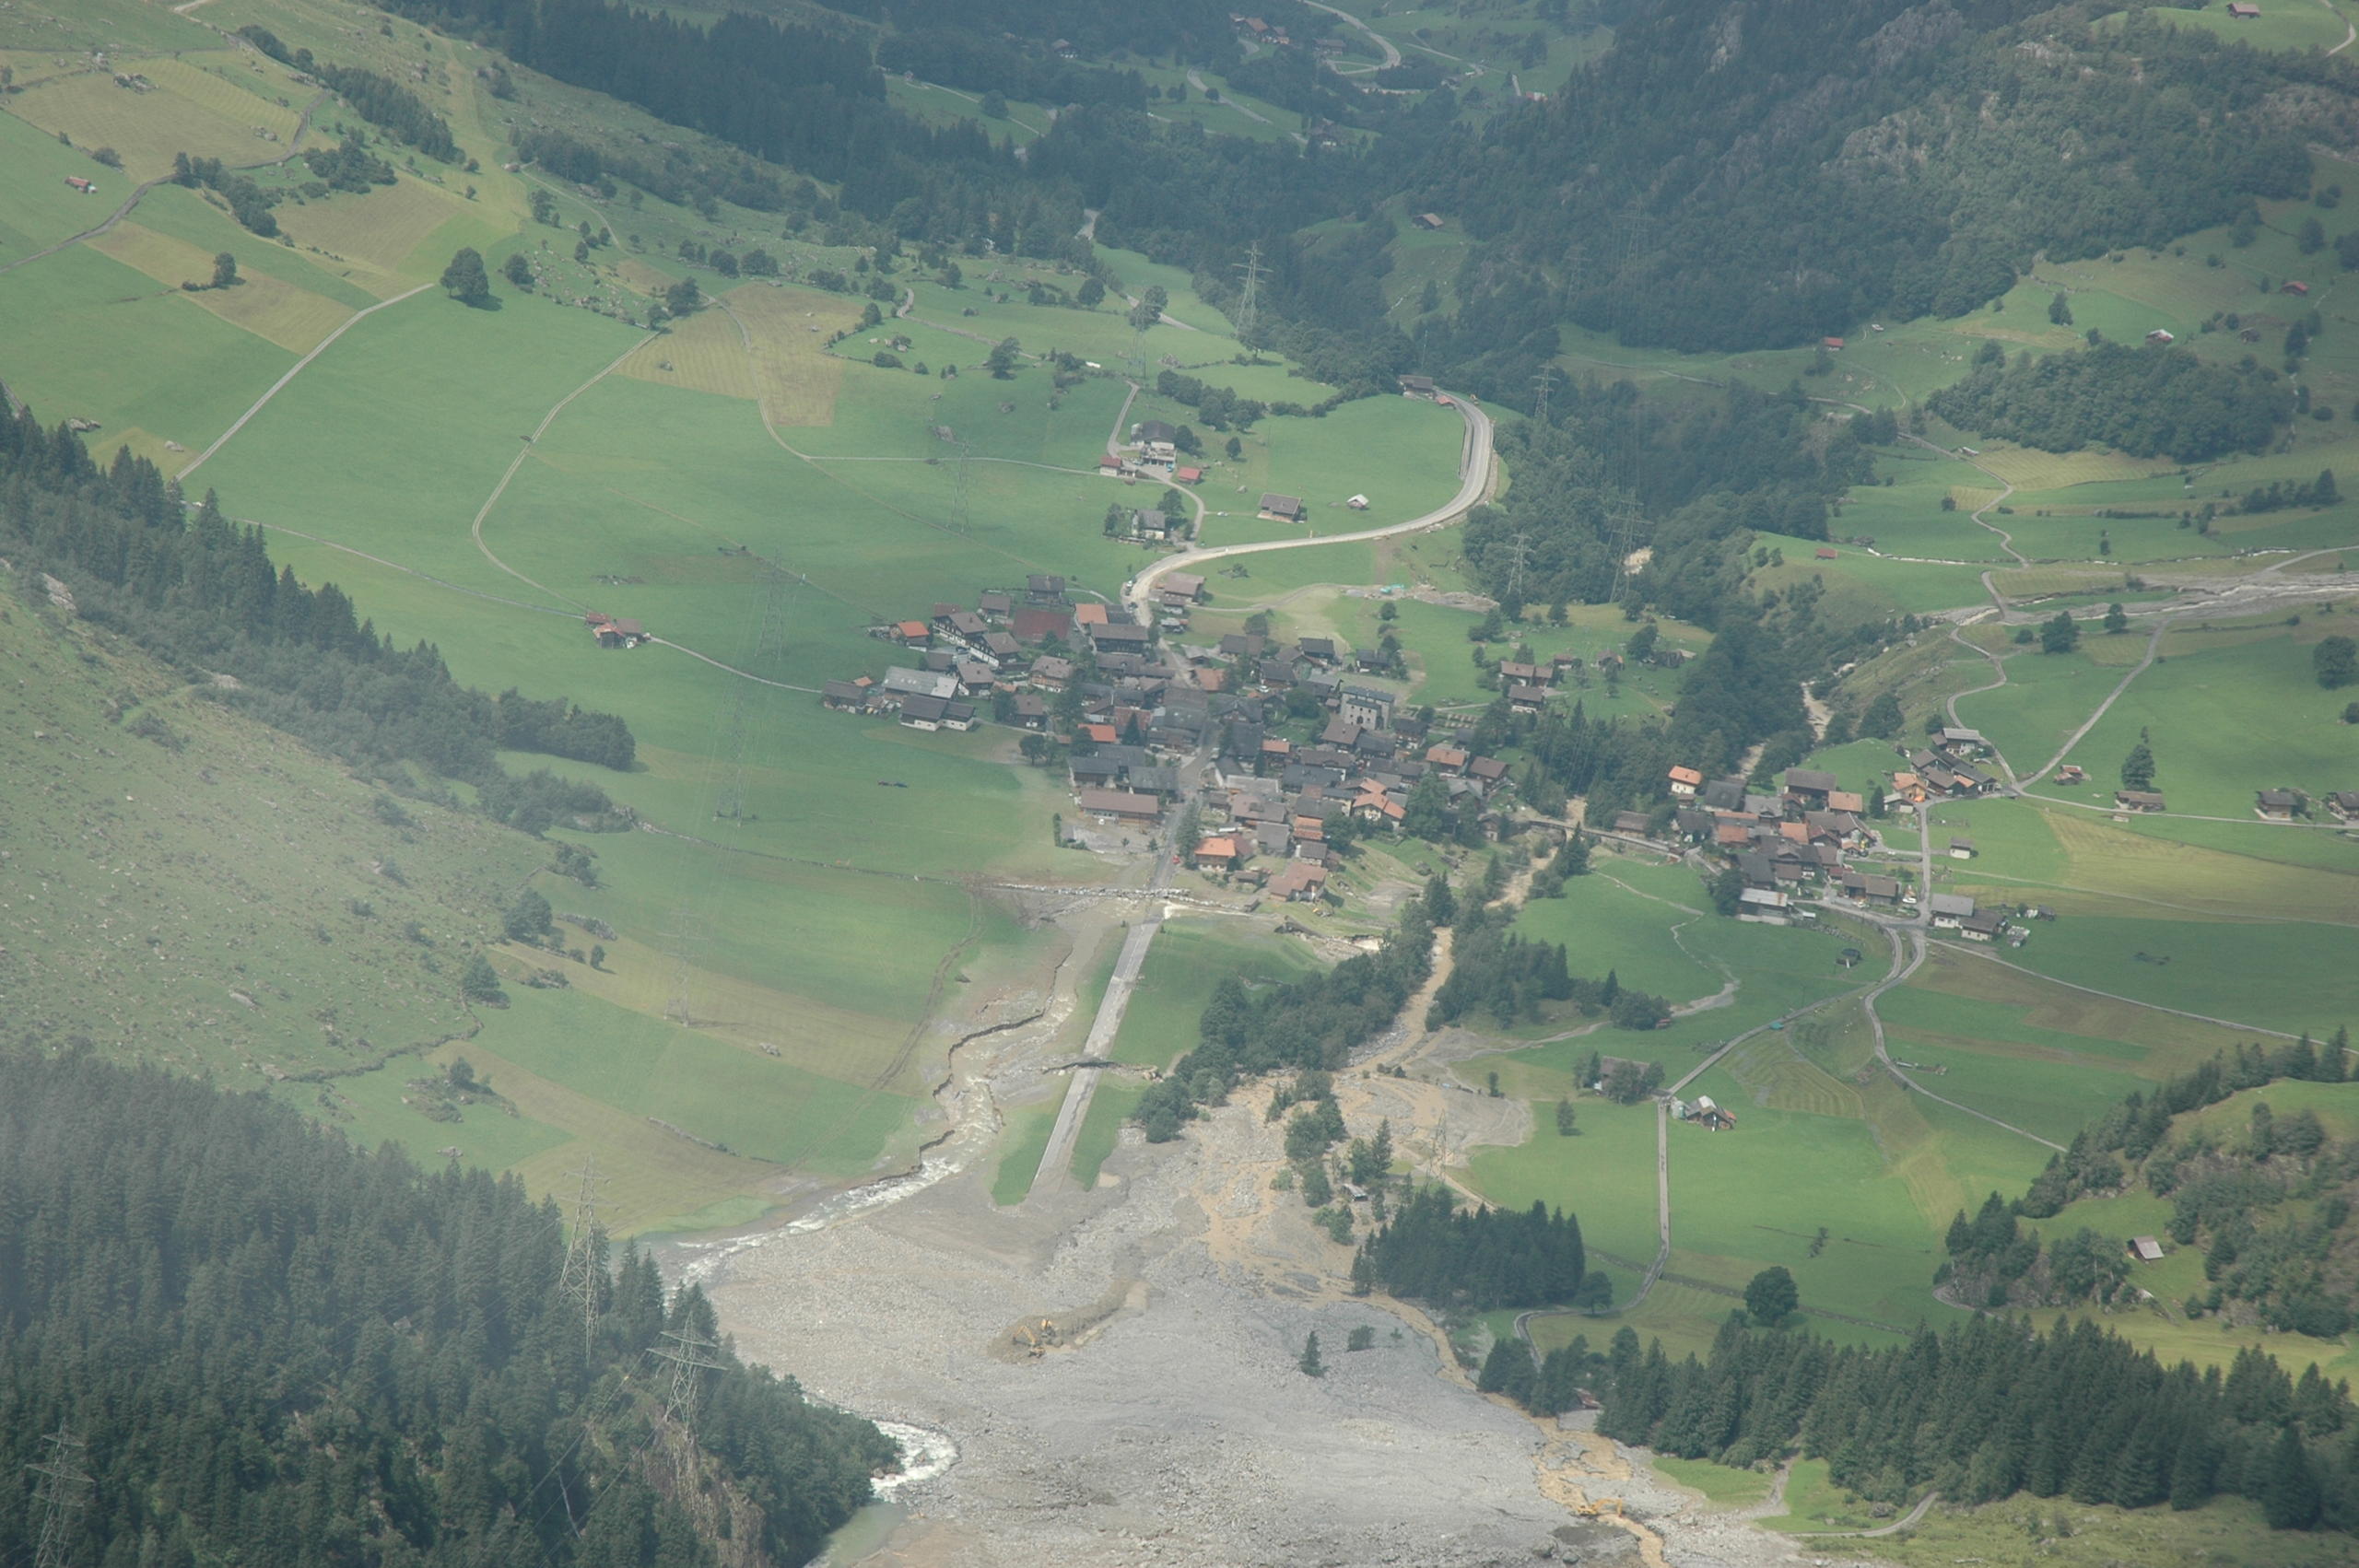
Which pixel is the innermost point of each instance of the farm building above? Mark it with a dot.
(1825, 553)
(1951, 911)
(2280, 805)
(1281, 508)
(619, 634)
(1417, 386)
(1833, 344)
(2161, 338)
(1186, 585)
(2293, 286)
(87, 187)
(1187, 475)
(1763, 906)
(2146, 1249)
(2138, 800)
(1983, 925)
(2243, 10)
(1961, 848)
(1120, 805)
(2344, 804)
(1429, 220)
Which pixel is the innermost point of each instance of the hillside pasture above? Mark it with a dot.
(191, 110)
(193, 375)
(265, 304)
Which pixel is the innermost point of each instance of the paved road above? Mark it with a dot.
(1384, 45)
(1055, 1172)
(1477, 463)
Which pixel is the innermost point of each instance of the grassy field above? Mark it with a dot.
(1721, 1486)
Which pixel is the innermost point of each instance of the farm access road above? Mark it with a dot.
(1477, 470)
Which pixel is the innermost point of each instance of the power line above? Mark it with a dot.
(58, 1496)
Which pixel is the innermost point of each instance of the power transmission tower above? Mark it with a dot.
(1248, 304)
(1519, 548)
(1540, 385)
(585, 1263)
(58, 1497)
(689, 1355)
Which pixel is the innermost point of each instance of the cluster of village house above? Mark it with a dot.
(1145, 704)
(1797, 843)
(1009, 642)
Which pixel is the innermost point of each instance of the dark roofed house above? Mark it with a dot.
(1044, 588)
(1722, 795)
(1156, 430)
(2344, 803)
(995, 604)
(1806, 785)
(1186, 585)
(2280, 805)
(1417, 386)
(1632, 823)
(1984, 925)
(1490, 770)
(1281, 508)
(1527, 699)
(843, 696)
(2138, 800)
(1121, 634)
(1321, 649)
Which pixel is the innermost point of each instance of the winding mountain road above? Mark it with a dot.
(1477, 470)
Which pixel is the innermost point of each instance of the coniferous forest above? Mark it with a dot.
(277, 1350)
(1992, 1407)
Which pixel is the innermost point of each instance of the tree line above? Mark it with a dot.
(199, 593)
(279, 1351)
(1992, 1408)
(2150, 400)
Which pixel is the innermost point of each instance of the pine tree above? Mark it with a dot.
(1311, 1364)
(2289, 1495)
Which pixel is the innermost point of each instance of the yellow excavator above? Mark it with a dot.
(1036, 1339)
(1599, 1506)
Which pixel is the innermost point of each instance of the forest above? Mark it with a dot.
(2152, 400)
(198, 592)
(1991, 1407)
(2268, 1202)
(270, 1349)
(1740, 165)
(1481, 1258)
